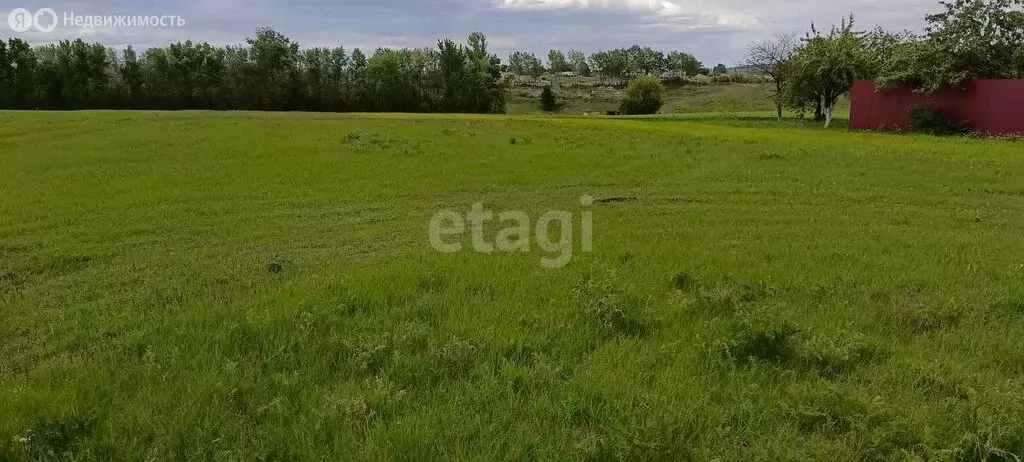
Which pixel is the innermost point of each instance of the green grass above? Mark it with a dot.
(261, 286)
(718, 98)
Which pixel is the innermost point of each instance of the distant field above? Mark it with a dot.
(721, 98)
(239, 286)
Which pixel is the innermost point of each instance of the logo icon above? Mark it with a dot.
(45, 26)
(20, 20)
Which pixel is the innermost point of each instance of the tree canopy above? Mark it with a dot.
(825, 66)
(968, 40)
(557, 61)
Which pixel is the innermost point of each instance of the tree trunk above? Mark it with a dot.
(828, 117)
(818, 114)
(778, 98)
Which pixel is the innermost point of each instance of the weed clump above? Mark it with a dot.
(684, 282)
(911, 310)
(457, 357)
(10, 279)
(770, 156)
(429, 283)
(277, 265)
(364, 141)
(380, 401)
(55, 439)
(776, 344)
(644, 429)
(369, 356)
(724, 298)
(783, 344)
(624, 258)
(607, 305)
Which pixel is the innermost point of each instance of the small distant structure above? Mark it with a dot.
(994, 107)
(612, 113)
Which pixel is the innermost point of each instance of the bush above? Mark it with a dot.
(644, 95)
(548, 100)
(927, 119)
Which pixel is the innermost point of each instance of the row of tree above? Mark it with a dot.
(270, 72)
(620, 64)
(968, 40)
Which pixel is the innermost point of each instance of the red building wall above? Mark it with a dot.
(989, 106)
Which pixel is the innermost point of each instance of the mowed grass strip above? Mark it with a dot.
(239, 286)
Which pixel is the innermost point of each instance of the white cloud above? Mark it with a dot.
(763, 15)
(684, 13)
(661, 7)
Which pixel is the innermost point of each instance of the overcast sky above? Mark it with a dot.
(714, 30)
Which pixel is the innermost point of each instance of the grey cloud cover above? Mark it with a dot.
(714, 30)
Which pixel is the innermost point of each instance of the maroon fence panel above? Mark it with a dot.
(988, 106)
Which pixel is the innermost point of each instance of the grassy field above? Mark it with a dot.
(239, 286)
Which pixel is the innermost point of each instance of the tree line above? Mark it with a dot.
(622, 64)
(269, 72)
(967, 40)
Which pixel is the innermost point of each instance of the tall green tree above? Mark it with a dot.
(337, 96)
(525, 63)
(72, 74)
(489, 91)
(18, 76)
(273, 68)
(644, 61)
(969, 39)
(130, 72)
(578, 62)
(614, 64)
(236, 89)
(392, 78)
(827, 64)
(557, 61)
(682, 63)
